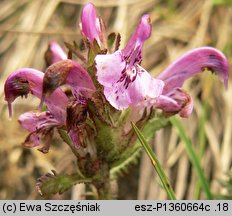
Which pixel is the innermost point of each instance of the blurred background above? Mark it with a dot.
(26, 27)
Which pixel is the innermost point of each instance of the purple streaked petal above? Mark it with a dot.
(39, 125)
(177, 101)
(90, 23)
(125, 82)
(109, 68)
(54, 53)
(194, 62)
(120, 94)
(27, 80)
(142, 33)
(67, 72)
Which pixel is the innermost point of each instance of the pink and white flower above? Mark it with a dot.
(125, 82)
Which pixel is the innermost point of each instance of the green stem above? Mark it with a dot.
(155, 163)
(102, 183)
(201, 146)
(192, 156)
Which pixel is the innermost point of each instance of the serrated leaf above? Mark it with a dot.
(131, 154)
(51, 183)
(154, 125)
(130, 157)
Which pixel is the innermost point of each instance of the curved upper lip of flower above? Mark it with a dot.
(27, 80)
(67, 72)
(193, 62)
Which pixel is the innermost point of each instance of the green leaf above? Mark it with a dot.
(222, 2)
(51, 183)
(155, 162)
(202, 144)
(192, 156)
(128, 157)
(117, 42)
(110, 40)
(91, 56)
(131, 154)
(154, 125)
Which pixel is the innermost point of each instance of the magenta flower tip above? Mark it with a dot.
(140, 35)
(144, 28)
(90, 24)
(21, 83)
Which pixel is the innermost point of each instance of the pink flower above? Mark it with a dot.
(46, 87)
(25, 81)
(90, 24)
(82, 86)
(173, 98)
(125, 82)
(193, 62)
(71, 73)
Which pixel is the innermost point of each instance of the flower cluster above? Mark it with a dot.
(106, 81)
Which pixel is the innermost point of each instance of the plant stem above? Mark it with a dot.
(102, 183)
(155, 163)
(193, 157)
